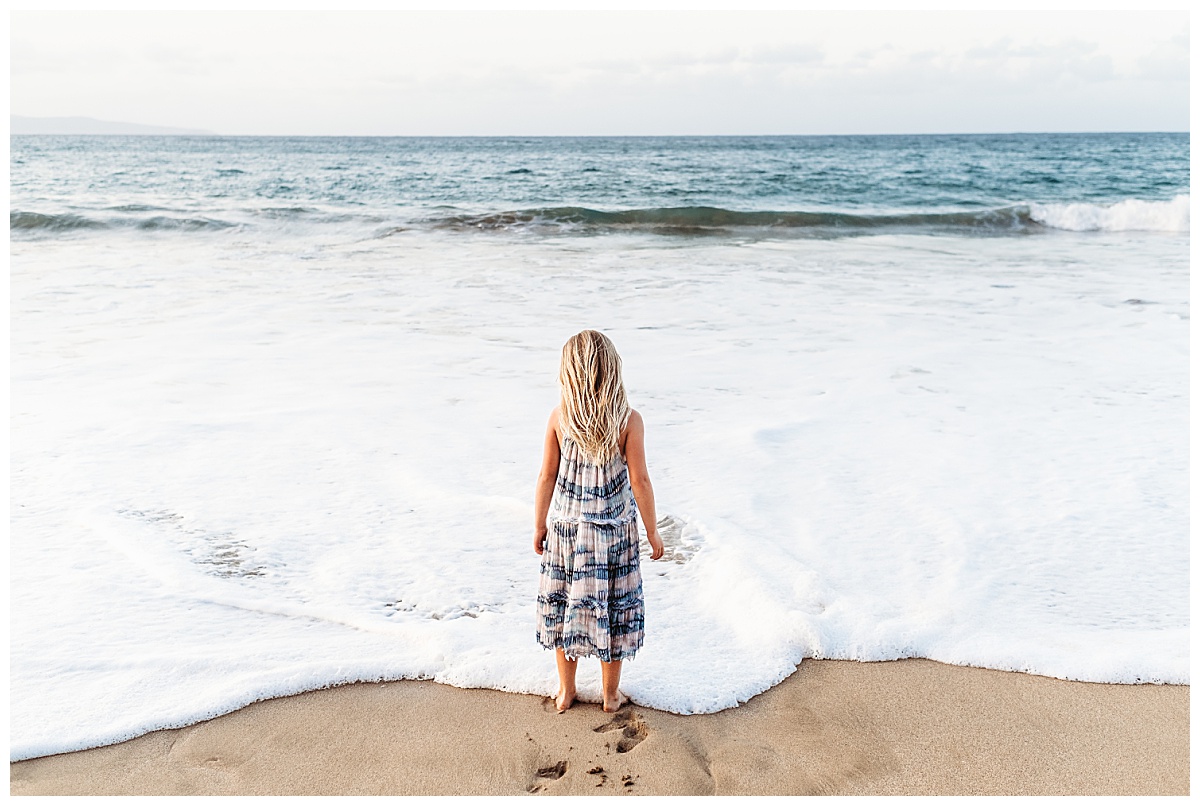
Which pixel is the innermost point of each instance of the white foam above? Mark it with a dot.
(239, 474)
(1124, 216)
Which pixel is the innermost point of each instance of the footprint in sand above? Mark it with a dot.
(553, 772)
(545, 775)
(633, 730)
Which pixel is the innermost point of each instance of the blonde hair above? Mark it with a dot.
(594, 407)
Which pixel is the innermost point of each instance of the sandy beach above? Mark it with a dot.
(833, 727)
(868, 337)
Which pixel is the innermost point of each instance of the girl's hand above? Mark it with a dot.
(539, 540)
(656, 546)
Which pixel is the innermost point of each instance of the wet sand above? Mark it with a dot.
(833, 727)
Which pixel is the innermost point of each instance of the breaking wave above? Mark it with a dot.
(1125, 216)
(1016, 219)
(1128, 215)
(33, 222)
(700, 220)
(22, 220)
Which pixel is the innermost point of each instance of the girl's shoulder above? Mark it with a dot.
(633, 425)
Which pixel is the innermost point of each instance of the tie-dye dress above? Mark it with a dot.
(590, 595)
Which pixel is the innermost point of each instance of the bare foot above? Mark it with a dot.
(564, 700)
(615, 705)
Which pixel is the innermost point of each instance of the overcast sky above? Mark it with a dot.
(606, 73)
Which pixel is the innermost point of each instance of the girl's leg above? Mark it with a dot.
(610, 677)
(566, 680)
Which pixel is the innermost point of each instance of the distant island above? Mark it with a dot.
(79, 125)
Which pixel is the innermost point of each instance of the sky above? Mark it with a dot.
(606, 73)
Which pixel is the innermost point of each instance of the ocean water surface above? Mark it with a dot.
(277, 408)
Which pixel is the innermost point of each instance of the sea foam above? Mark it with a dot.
(245, 467)
(1124, 216)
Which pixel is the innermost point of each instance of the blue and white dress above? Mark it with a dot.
(590, 594)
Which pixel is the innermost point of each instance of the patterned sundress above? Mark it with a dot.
(590, 594)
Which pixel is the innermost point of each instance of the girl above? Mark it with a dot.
(592, 483)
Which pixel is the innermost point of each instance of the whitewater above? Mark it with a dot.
(255, 460)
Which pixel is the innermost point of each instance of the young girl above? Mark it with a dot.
(592, 483)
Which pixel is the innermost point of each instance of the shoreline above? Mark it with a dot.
(910, 726)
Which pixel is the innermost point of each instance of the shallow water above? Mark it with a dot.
(253, 460)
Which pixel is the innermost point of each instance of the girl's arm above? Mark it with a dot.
(545, 482)
(639, 480)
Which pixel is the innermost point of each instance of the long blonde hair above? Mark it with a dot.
(594, 407)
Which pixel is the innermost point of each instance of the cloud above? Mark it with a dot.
(800, 53)
(1169, 61)
(479, 73)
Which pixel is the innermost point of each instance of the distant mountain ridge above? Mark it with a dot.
(82, 125)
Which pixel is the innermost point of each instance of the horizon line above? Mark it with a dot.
(608, 136)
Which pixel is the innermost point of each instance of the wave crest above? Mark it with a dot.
(699, 220)
(1126, 216)
(1123, 216)
(25, 220)
(33, 222)
(1017, 219)
(167, 222)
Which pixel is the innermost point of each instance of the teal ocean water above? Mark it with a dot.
(806, 186)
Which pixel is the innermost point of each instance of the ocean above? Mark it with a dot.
(277, 407)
